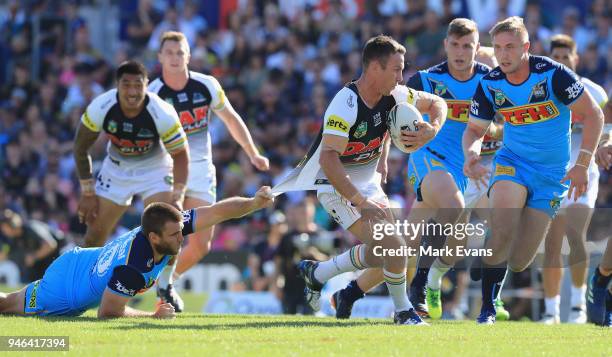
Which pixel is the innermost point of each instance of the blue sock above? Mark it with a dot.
(353, 292)
(492, 281)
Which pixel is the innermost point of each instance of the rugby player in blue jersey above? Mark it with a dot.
(109, 276)
(534, 96)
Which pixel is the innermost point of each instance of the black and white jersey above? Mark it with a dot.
(137, 139)
(194, 105)
(366, 129)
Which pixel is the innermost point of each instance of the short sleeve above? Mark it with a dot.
(415, 82)
(341, 113)
(189, 219)
(405, 94)
(168, 125)
(481, 107)
(126, 281)
(566, 85)
(217, 94)
(93, 118)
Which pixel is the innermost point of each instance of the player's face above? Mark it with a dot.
(461, 51)
(566, 56)
(169, 242)
(510, 50)
(174, 56)
(392, 74)
(131, 88)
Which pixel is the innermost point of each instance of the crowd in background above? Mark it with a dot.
(280, 63)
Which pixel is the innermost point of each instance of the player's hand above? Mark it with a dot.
(382, 170)
(263, 197)
(473, 169)
(88, 208)
(165, 311)
(579, 181)
(422, 135)
(29, 260)
(371, 211)
(260, 162)
(603, 156)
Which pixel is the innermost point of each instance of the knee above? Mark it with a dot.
(517, 265)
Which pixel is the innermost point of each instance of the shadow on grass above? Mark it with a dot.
(145, 325)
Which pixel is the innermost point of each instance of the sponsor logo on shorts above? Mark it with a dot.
(412, 180)
(435, 162)
(334, 122)
(169, 180)
(530, 113)
(458, 110)
(32, 301)
(555, 203)
(504, 170)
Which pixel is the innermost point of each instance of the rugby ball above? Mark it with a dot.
(403, 116)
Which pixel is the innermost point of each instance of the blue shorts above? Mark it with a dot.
(544, 191)
(52, 295)
(424, 161)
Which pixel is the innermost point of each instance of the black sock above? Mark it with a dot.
(425, 261)
(353, 292)
(492, 281)
(601, 280)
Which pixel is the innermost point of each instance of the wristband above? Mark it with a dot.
(583, 165)
(88, 187)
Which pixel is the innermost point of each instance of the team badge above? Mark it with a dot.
(440, 89)
(361, 130)
(350, 102)
(500, 98)
(169, 101)
(112, 126)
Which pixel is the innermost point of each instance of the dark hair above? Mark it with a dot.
(379, 49)
(156, 215)
(11, 218)
(131, 67)
(461, 27)
(562, 41)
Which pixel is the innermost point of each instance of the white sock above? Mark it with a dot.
(351, 260)
(167, 275)
(578, 299)
(436, 272)
(396, 283)
(552, 305)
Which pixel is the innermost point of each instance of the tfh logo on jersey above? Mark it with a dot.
(458, 110)
(530, 113)
(195, 122)
(123, 289)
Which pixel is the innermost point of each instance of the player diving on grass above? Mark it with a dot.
(530, 175)
(346, 164)
(109, 276)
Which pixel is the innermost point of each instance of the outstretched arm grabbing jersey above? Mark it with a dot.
(114, 303)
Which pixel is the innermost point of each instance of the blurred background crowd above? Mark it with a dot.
(280, 62)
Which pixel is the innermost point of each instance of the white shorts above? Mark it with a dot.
(343, 211)
(588, 198)
(119, 184)
(202, 181)
(473, 193)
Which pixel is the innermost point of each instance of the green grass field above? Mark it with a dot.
(194, 334)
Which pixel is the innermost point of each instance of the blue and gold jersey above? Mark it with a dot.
(125, 265)
(535, 113)
(457, 94)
